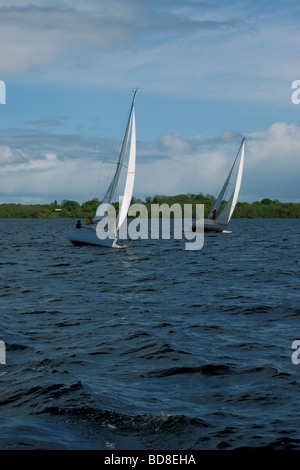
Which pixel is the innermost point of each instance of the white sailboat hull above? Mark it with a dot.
(210, 226)
(87, 236)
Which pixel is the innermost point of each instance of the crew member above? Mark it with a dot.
(89, 220)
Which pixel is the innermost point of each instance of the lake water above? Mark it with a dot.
(150, 346)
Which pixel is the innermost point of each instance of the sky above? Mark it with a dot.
(208, 74)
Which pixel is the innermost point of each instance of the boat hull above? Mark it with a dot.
(210, 226)
(85, 236)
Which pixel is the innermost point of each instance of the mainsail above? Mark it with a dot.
(110, 193)
(234, 179)
(100, 231)
(130, 177)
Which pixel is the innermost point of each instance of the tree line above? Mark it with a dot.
(266, 208)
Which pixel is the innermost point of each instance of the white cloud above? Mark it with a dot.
(237, 50)
(171, 165)
(273, 163)
(9, 156)
(44, 163)
(232, 52)
(175, 144)
(32, 34)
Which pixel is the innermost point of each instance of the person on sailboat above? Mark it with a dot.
(89, 220)
(214, 214)
(78, 225)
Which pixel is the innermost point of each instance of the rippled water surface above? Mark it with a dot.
(150, 346)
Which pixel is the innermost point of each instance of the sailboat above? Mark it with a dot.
(90, 233)
(218, 221)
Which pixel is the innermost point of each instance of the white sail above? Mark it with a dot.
(110, 193)
(227, 212)
(233, 180)
(130, 176)
(220, 198)
(237, 171)
(95, 234)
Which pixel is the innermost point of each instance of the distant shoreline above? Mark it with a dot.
(266, 208)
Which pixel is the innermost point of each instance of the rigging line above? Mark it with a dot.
(115, 163)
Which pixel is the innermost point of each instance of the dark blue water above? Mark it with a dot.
(150, 346)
